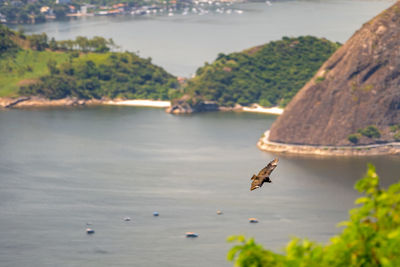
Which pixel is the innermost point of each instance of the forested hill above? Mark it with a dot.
(269, 75)
(82, 68)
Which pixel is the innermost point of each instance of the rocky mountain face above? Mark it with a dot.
(355, 96)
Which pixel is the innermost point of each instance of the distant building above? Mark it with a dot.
(72, 9)
(181, 80)
(84, 10)
(44, 9)
(117, 6)
(3, 18)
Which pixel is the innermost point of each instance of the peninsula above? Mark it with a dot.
(37, 71)
(269, 75)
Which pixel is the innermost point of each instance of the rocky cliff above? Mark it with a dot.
(355, 96)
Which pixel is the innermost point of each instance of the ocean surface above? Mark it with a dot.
(63, 168)
(181, 43)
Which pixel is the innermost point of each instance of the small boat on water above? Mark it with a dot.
(89, 231)
(155, 214)
(127, 219)
(191, 234)
(253, 220)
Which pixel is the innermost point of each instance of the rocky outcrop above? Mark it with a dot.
(35, 101)
(10, 102)
(180, 106)
(359, 86)
(187, 105)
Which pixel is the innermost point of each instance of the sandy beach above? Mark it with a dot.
(260, 109)
(140, 103)
(34, 101)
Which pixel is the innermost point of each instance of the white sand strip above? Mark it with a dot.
(140, 103)
(259, 109)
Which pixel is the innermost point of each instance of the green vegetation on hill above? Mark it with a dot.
(24, 68)
(6, 44)
(269, 75)
(370, 238)
(83, 68)
(111, 75)
(370, 131)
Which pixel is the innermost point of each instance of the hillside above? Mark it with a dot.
(270, 74)
(25, 67)
(354, 99)
(6, 43)
(82, 68)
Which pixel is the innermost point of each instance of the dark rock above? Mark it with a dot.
(187, 105)
(16, 101)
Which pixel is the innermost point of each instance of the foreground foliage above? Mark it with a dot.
(269, 75)
(371, 237)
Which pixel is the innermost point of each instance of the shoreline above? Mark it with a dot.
(37, 102)
(316, 150)
(259, 109)
(139, 103)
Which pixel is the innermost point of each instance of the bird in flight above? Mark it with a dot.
(263, 175)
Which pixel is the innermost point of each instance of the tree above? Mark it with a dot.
(371, 237)
(60, 11)
(370, 131)
(52, 66)
(53, 44)
(98, 44)
(6, 44)
(38, 41)
(82, 43)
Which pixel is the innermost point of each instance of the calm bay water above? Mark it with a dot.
(62, 168)
(181, 44)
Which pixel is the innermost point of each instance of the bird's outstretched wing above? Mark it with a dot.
(266, 171)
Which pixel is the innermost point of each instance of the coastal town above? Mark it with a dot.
(37, 11)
